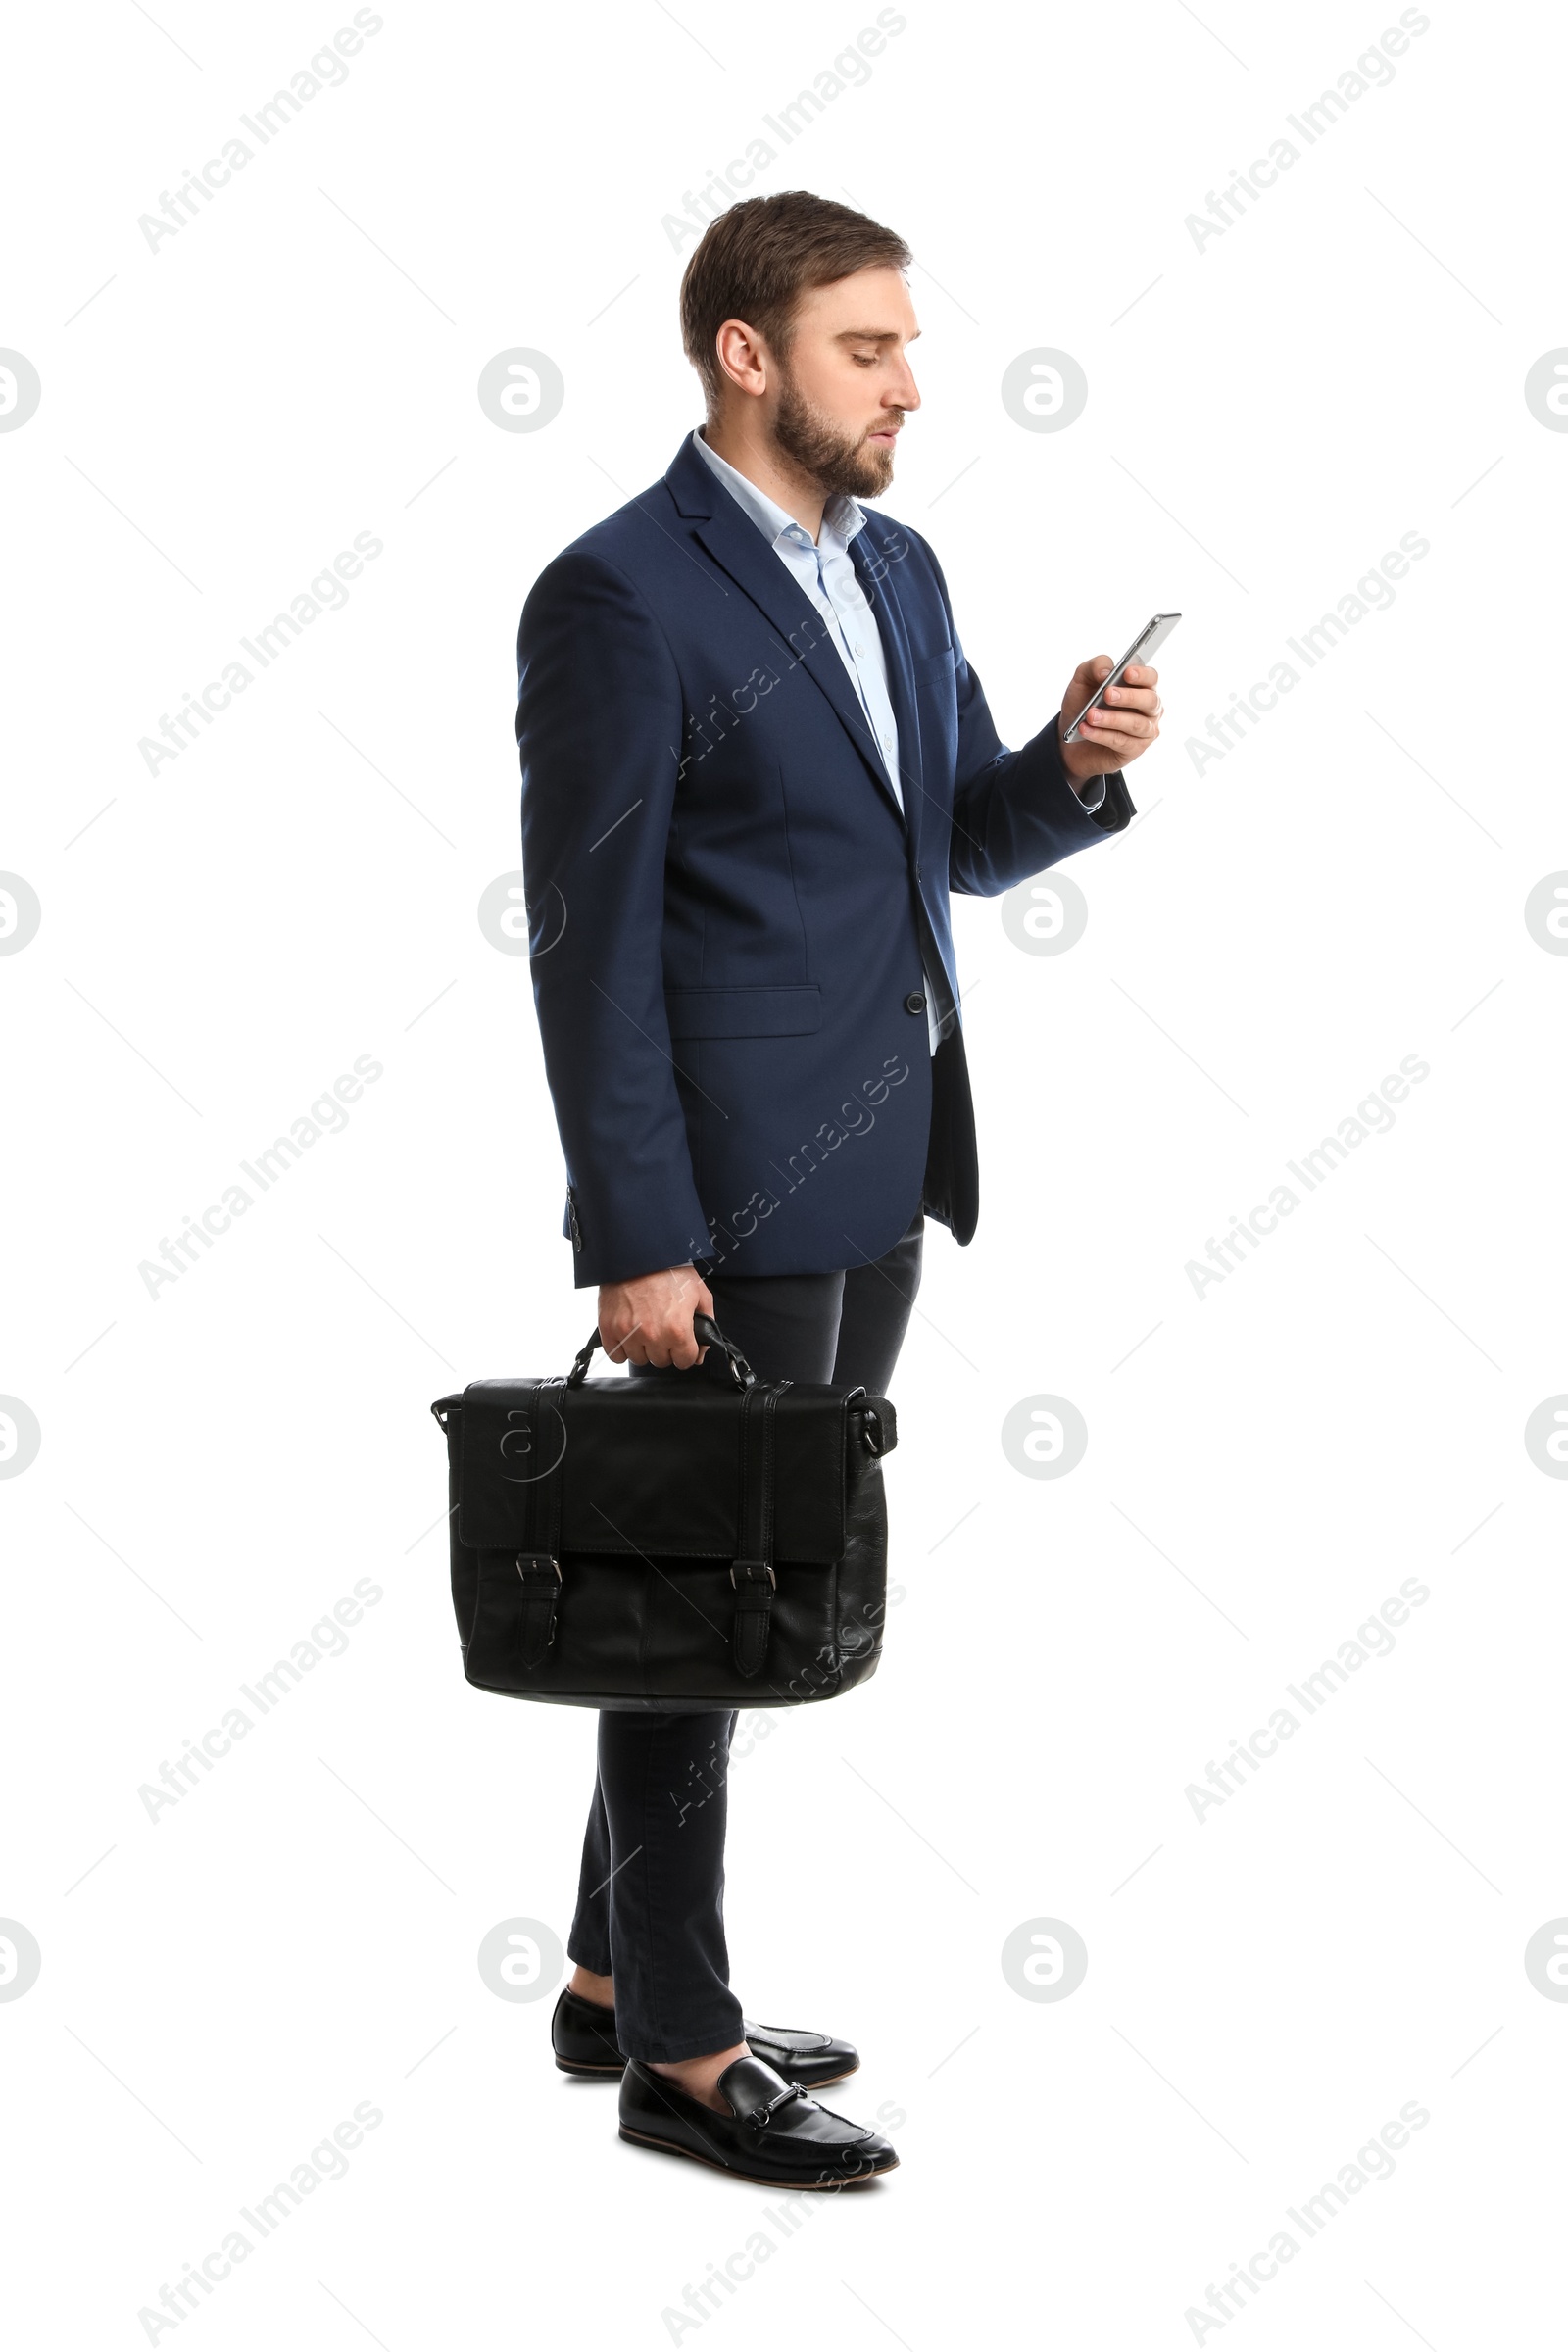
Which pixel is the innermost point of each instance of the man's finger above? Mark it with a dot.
(1102, 725)
(1122, 726)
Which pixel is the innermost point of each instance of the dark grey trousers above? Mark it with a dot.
(650, 1895)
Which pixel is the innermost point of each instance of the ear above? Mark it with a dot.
(743, 358)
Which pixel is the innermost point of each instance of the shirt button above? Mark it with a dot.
(914, 1001)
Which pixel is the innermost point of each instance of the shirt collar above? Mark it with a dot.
(842, 516)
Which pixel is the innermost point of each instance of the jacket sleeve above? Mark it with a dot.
(600, 723)
(1014, 813)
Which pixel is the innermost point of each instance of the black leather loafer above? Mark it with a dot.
(809, 2059)
(582, 2034)
(776, 2134)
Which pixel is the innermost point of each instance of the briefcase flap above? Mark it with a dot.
(650, 1467)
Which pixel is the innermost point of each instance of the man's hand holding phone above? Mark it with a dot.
(1115, 705)
(1122, 725)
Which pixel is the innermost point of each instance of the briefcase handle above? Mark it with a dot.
(708, 1332)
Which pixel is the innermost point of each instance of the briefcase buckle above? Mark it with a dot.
(753, 1568)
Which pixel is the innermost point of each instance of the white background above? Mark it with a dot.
(221, 1462)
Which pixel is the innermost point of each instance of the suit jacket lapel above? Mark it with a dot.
(730, 537)
(871, 570)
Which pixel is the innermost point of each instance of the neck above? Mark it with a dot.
(743, 445)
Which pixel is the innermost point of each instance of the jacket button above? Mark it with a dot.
(914, 1001)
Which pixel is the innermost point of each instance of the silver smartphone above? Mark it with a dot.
(1142, 648)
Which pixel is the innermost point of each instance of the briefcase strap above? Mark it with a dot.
(752, 1573)
(706, 1328)
(538, 1564)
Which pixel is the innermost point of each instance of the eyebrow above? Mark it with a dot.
(871, 334)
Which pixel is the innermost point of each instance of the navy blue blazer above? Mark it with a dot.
(730, 917)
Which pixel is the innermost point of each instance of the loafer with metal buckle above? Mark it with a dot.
(774, 2134)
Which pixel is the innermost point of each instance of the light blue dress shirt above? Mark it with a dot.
(826, 572)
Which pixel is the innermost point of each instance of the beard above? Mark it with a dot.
(839, 464)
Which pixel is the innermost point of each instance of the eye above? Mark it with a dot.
(865, 359)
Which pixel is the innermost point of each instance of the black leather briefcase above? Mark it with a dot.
(702, 1541)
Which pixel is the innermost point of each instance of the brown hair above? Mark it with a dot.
(759, 257)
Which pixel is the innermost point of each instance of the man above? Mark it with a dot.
(756, 762)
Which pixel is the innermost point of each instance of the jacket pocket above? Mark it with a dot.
(744, 1011)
